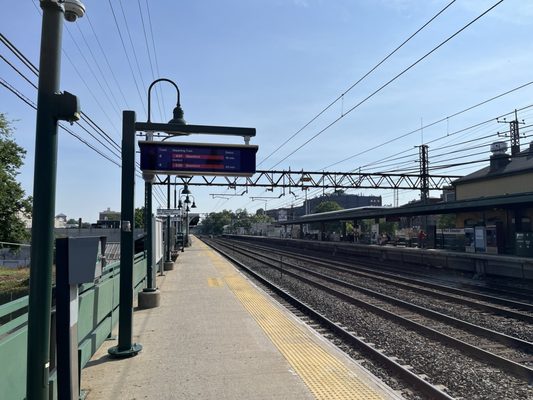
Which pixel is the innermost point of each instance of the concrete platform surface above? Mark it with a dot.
(218, 336)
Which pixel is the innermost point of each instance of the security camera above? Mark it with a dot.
(73, 9)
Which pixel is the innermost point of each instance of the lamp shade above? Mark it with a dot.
(178, 116)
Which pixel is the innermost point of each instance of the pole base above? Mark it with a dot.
(149, 298)
(114, 351)
(168, 266)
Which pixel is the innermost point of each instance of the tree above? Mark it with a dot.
(327, 206)
(139, 218)
(446, 221)
(72, 221)
(214, 223)
(14, 205)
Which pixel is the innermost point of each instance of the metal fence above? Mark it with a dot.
(98, 314)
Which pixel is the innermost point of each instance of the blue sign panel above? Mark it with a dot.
(198, 158)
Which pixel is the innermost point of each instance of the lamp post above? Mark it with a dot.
(130, 126)
(183, 191)
(185, 204)
(169, 264)
(52, 106)
(126, 347)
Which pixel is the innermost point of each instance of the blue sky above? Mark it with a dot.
(273, 65)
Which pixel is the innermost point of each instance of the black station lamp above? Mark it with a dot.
(177, 112)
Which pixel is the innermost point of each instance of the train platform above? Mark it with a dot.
(218, 336)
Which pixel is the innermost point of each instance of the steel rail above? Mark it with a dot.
(411, 378)
(516, 369)
(364, 271)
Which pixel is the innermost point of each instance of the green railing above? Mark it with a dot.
(98, 314)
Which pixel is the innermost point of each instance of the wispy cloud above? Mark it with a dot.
(301, 3)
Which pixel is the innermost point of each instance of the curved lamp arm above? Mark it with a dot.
(178, 105)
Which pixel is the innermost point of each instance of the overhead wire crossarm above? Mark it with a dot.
(325, 180)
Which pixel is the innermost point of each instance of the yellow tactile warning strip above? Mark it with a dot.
(325, 375)
(215, 282)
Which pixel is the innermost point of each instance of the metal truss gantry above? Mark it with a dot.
(323, 180)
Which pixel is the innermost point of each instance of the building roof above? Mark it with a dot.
(521, 199)
(518, 164)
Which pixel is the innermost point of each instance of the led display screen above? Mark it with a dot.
(198, 158)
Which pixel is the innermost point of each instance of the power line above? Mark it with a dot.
(131, 43)
(150, 60)
(433, 124)
(387, 83)
(126, 53)
(357, 82)
(155, 51)
(18, 71)
(97, 63)
(84, 117)
(34, 106)
(107, 61)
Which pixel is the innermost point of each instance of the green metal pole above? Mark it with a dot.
(150, 270)
(44, 191)
(168, 246)
(125, 346)
(187, 228)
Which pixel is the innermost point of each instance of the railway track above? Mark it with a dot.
(489, 305)
(495, 349)
(315, 318)
(490, 288)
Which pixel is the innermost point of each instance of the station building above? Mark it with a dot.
(490, 209)
(505, 176)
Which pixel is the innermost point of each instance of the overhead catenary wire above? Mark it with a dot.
(84, 116)
(132, 44)
(107, 60)
(468, 129)
(69, 131)
(154, 48)
(97, 63)
(126, 53)
(157, 91)
(357, 105)
(341, 96)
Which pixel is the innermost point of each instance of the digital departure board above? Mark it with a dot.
(198, 158)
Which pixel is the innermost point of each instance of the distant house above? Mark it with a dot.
(108, 219)
(60, 221)
(507, 174)
(344, 200)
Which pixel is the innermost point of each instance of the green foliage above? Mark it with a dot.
(327, 206)
(446, 221)
(139, 218)
(13, 203)
(214, 223)
(388, 227)
(72, 221)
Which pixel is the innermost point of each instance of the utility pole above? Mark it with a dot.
(52, 106)
(424, 174)
(514, 133)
